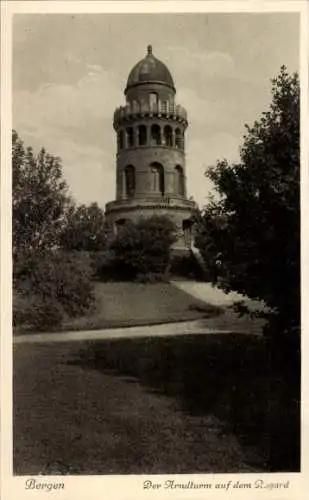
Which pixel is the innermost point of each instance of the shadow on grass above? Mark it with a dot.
(233, 377)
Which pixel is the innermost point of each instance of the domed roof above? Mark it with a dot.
(150, 69)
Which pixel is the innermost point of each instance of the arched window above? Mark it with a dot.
(157, 178)
(168, 135)
(130, 137)
(129, 173)
(155, 135)
(179, 181)
(121, 139)
(153, 101)
(178, 138)
(119, 224)
(142, 135)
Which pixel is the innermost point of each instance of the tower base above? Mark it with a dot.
(179, 211)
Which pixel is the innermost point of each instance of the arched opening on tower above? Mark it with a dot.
(130, 137)
(178, 139)
(155, 135)
(168, 135)
(153, 101)
(121, 139)
(129, 173)
(142, 135)
(119, 224)
(158, 183)
(179, 180)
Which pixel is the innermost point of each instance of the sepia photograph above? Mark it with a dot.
(156, 277)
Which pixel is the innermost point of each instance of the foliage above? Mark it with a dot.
(143, 247)
(252, 234)
(186, 266)
(107, 268)
(84, 229)
(152, 278)
(57, 286)
(40, 199)
(48, 284)
(32, 311)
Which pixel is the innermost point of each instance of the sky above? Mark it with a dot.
(70, 71)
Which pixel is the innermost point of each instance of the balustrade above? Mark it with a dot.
(144, 108)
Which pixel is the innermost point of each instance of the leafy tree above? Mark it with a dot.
(40, 200)
(49, 285)
(252, 234)
(143, 247)
(84, 229)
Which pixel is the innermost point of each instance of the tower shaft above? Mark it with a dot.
(150, 162)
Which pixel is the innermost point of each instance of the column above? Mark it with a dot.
(161, 134)
(173, 137)
(148, 127)
(123, 178)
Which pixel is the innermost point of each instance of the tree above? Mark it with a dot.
(252, 234)
(40, 199)
(143, 247)
(84, 229)
(49, 284)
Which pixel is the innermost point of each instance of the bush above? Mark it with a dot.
(143, 247)
(103, 265)
(33, 312)
(57, 285)
(152, 278)
(186, 266)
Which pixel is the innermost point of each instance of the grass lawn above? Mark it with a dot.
(130, 304)
(189, 404)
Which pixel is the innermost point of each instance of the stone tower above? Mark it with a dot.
(150, 166)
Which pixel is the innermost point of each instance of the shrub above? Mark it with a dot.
(152, 278)
(185, 266)
(55, 286)
(35, 312)
(143, 247)
(103, 265)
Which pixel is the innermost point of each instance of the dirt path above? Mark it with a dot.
(211, 294)
(167, 329)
